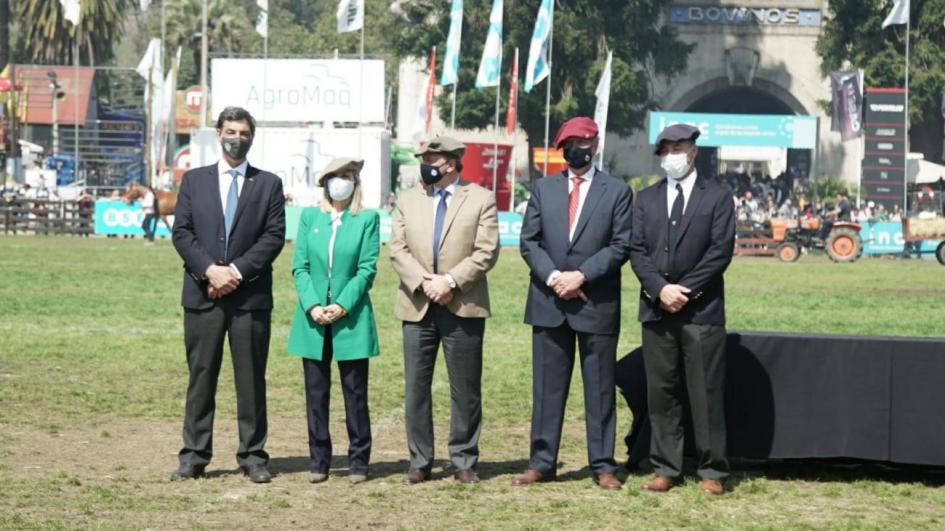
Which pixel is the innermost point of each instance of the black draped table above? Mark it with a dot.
(819, 396)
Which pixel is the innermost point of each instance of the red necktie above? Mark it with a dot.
(574, 199)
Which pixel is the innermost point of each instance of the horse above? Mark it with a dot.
(164, 202)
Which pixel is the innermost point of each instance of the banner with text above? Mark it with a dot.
(746, 130)
(885, 154)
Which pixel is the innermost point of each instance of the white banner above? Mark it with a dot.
(301, 90)
(297, 155)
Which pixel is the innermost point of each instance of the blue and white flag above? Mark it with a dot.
(538, 67)
(899, 14)
(451, 60)
(490, 69)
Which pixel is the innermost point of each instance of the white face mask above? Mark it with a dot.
(340, 189)
(676, 165)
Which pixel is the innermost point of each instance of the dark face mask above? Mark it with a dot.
(236, 148)
(430, 174)
(578, 157)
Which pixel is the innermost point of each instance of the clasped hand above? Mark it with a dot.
(567, 285)
(222, 281)
(437, 288)
(673, 297)
(326, 315)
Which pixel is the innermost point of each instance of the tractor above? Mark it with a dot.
(785, 238)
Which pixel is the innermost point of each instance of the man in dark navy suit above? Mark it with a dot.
(683, 240)
(229, 226)
(575, 238)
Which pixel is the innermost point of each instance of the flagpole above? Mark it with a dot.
(361, 79)
(905, 175)
(511, 170)
(551, 45)
(453, 114)
(495, 152)
(75, 95)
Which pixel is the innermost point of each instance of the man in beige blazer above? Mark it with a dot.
(444, 298)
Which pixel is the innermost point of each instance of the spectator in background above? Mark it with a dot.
(149, 225)
(787, 210)
(896, 214)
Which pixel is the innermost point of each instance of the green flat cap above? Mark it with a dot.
(443, 144)
(341, 165)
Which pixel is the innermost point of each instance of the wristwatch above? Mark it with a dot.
(451, 282)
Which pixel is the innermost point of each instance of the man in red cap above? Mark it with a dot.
(575, 238)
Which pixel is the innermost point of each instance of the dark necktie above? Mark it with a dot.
(232, 199)
(438, 227)
(675, 220)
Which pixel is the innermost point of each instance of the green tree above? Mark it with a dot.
(585, 30)
(49, 38)
(853, 37)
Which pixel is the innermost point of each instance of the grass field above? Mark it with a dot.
(92, 382)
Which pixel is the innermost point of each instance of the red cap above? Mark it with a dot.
(580, 127)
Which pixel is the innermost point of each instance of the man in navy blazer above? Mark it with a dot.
(683, 240)
(229, 227)
(575, 238)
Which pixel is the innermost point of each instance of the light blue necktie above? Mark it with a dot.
(232, 199)
(438, 227)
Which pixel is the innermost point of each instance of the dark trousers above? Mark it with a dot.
(149, 226)
(354, 387)
(553, 351)
(681, 354)
(204, 332)
(462, 347)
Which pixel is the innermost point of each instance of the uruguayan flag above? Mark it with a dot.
(538, 68)
(451, 61)
(491, 66)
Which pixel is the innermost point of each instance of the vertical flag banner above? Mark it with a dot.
(428, 100)
(262, 23)
(512, 117)
(847, 116)
(491, 64)
(538, 68)
(898, 15)
(350, 15)
(603, 100)
(70, 10)
(451, 59)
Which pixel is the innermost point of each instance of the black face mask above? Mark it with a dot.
(430, 174)
(578, 157)
(237, 148)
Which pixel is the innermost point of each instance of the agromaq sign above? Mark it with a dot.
(738, 15)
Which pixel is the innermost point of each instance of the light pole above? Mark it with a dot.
(54, 90)
(203, 67)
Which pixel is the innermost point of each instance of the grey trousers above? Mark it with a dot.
(677, 354)
(462, 347)
(204, 332)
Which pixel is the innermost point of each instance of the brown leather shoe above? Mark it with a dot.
(467, 476)
(532, 476)
(416, 475)
(608, 482)
(659, 484)
(712, 486)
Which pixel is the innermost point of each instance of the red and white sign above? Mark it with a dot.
(181, 163)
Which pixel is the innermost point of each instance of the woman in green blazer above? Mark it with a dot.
(334, 266)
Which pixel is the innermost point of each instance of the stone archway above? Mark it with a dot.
(709, 97)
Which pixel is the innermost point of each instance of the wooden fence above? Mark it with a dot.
(45, 216)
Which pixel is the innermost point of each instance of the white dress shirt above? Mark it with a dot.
(335, 223)
(225, 179)
(687, 185)
(436, 196)
(582, 195)
(436, 203)
(585, 186)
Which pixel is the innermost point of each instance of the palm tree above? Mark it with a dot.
(50, 38)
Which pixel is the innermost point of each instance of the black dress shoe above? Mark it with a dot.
(185, 472)
(416, 475)
(257, 473)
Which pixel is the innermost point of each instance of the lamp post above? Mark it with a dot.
(54, 90)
